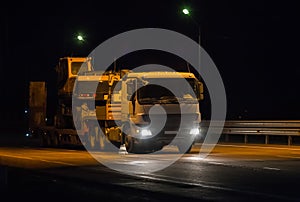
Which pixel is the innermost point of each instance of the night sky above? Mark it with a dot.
(254, 44)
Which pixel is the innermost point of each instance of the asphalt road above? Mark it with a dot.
(229, 173)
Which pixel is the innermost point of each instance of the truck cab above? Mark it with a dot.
(159, 108)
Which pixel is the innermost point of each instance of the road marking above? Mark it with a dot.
(162, 178)
(35, 159)
(270, 168)
(260, 147)
(216, 163)
(19, 157)
(178, 181)
(291, 157)
(56, 162)
(260, 160)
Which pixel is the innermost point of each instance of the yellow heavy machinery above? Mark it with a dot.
(97, 108)
(61, 131)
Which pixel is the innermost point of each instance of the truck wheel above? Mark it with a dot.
(43, 142)
(129, 144)
(93, 139)
(55, 139)
(128, 139)
(103, 141)
(48, 140)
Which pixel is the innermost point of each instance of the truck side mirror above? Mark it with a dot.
(201, 91)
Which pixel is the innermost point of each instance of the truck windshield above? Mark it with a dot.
(76, 66)
(154, 93)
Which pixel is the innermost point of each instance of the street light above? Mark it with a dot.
(80, 42)
(80, 38)
(186, 11)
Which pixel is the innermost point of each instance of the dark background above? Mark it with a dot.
(254, 44)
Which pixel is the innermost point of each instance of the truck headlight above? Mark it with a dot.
(195, 131)
(146, 132)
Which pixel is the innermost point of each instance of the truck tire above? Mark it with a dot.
(103, 140)
(129, 144)
(48, 142)
(93, 139)
(92, 142)
(129, 140)
(43, 142)
(55, 139)
(96, 141)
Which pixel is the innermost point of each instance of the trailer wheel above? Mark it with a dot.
(103, 141)
(55, 139)
(92, 139)
(43, 142)
(47, 139)
(96, 141)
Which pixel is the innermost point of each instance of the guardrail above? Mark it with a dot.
(290, 129)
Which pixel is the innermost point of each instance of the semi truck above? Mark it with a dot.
(55, 128)
(136, 110)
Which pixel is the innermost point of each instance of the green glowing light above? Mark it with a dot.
(80, 38)
(186, 11)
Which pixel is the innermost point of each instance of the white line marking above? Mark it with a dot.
(290, 157)
(270, 168)
(19, 157)
(57, 162)
(179, 181)
(167, 179)
(216, 163)
(260, 147)
(34, 159)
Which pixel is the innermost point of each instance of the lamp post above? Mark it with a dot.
(187, 12)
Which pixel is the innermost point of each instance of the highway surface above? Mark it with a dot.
(230, 173)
